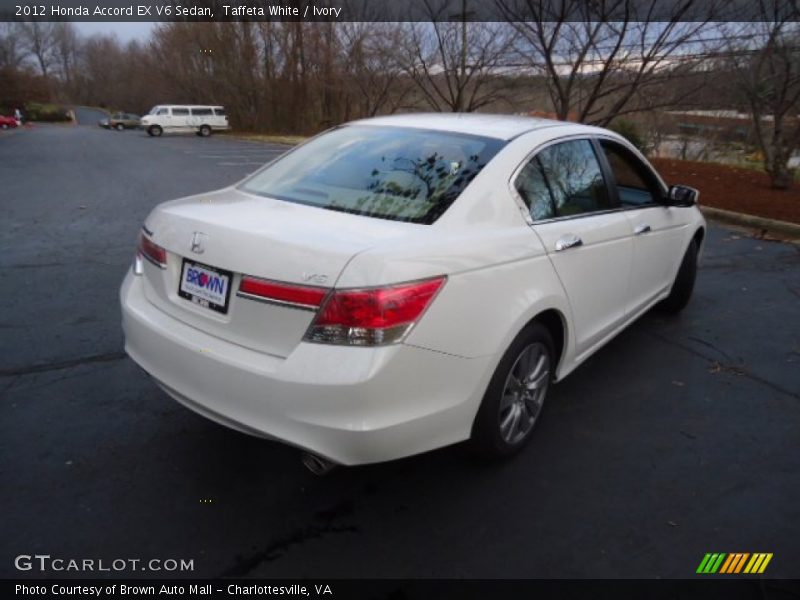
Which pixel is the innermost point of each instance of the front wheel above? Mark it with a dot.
(155, 130)
(514, 399)
(120, 127)
(683, 285)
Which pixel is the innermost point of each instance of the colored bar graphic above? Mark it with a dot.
(749, 566)
(703, 563)
(722, 563)
(741, 562)
(732, 558)
(717, 563)
(734, 561)
(764, 564)
(710, 563)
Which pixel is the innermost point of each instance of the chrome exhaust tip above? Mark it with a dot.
(316, 464)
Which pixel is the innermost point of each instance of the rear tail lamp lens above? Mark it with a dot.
(302, 296)
(152, 252)
(372, 316)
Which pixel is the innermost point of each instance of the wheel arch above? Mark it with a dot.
(555, 322)
(699, 238)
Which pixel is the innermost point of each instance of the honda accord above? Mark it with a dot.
(403, 283)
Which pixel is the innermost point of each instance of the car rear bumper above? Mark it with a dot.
(350, 405)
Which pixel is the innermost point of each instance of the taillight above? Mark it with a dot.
(372, 316)
(152, 252)
(300, 296)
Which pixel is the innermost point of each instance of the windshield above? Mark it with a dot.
(154, 110)
(384, 172)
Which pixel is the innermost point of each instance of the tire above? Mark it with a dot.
(683, 285)
(204, 130)
(497, 432)
(120, 127)
(155, 130)
(4, 126)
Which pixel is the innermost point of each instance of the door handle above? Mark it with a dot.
(642, 228)
(568, 241)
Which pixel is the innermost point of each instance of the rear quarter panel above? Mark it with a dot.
(498, 280)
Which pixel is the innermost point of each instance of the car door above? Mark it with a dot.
(657, 246)
(588, 240)
(163, 118)
(180, 118)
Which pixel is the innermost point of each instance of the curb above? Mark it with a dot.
(785, 228)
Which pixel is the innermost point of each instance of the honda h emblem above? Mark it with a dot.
(199, 242)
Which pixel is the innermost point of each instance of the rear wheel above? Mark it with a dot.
(514, 399)
(205, 130)
(155, 130)
(4, 126)
(683, 285)
(120, 126)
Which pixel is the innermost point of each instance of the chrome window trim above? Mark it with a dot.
(526, 213)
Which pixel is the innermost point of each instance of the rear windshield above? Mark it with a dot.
(383, 172)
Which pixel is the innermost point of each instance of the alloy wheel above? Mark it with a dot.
(524, 393)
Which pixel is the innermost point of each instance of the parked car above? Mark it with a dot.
(121, 121)
(8, 122)
(202, 120)
(403, 283)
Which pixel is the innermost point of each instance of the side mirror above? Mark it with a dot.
(682, 195)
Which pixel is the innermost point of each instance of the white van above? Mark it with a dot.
(183, 118)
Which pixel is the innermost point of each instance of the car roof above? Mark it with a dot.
(503, 127)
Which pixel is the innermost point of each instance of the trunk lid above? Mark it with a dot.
(244, 234)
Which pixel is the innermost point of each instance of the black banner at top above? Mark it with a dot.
(399, 10)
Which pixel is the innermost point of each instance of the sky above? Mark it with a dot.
(124, 31)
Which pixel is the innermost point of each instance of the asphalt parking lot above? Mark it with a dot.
(681, 437)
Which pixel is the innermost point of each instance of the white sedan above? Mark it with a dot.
(403, 283)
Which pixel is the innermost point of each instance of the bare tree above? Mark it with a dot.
(39, 40)
(12, 52)
(377, 85)
(101, 77)
(608, 58)
(66, 47)
(765, 60)
(453, 62)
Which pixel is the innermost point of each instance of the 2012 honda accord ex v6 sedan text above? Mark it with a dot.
(403, 283)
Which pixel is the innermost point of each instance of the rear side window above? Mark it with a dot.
(532, 187)
(394, 173)
(180, 112)
(220, 112)
(564, 180)
(574, 178)
(201, 112)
